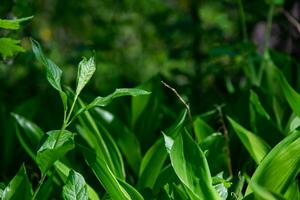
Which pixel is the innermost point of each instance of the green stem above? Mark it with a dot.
(269, 27)
(39, 186)
(243, 20)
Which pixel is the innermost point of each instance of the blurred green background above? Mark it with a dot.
(206, 49)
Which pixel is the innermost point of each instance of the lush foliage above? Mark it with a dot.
(234, 134)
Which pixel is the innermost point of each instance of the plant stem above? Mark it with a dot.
(243, 20)
(39, 186)
(269, 27)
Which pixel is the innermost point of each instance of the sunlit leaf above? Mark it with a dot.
(57, 144)
(191, 167)
(75, 188)
(19, 187)
(155, 157)
(279, 169)
(86, 70)
(13, 23)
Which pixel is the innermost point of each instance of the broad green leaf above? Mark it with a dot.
(155, 157)
(202, 129)
(10, 46)
(256, 147)
(255, 104)
(19, 187)
(191, 167)
(75, 188)
(104, 175)
(262, 193)
(126, 140)
(86, 70)
(13, 24)
(104, 101)
(57, 144)
(279, 169)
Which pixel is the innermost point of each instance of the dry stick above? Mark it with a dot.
(181, 99)
(224, 128)
(291, 19)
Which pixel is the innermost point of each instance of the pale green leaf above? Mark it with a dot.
(85, 72)
(13, 23)
(75, 188)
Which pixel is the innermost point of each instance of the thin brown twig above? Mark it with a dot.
(291, 19)
(226, 137)
(181, 99)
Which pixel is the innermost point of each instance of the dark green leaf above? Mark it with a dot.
(56, 145)
(75, 188)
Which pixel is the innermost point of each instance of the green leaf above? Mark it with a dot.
(134, 194)
(102, 142)
(31, 137)
(13, 24)
(279, 169)
(56, 145)
(191, 167)
(19, 187)
(104, 101)
(262, 193)
(256, 147)
(292, 97)
(53, 72)
(75, 188)
(9, 47)
(86, 70)
(155, 157)
(202, 129)
(123, 136)
(104, 175)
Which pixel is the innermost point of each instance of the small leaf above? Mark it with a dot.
(86, 70)
(104, 101)
(53, 72)
(256, 146)
(19, 187)
(13, 23)
(56, 145)
(10, 47)
(75, 188)
(191, 167)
